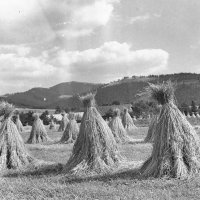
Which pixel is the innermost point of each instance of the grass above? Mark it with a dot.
(48, 182)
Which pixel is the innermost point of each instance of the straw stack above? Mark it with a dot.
(19, 125)
(52, 124)
(38, 132)
(151, 130)
(176, 148)
(63, 123)
(71, 132)
(118, 129)
(13, 152)
(128, 121)
(95, 150)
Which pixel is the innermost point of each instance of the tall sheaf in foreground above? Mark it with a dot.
(38, 132)
(176, 150)
(13, 154)
(95, 150)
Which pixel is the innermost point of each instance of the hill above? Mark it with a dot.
(124, 91)
(48, 97)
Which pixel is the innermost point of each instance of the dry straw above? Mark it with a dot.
(118, 129)
(38, 132)
(13, 154)
(176, 150)
(152, 125)
(52, 125)
(71, 132)
(19, 125)
(128, 121)
(151, 130)
(63, 123)
(95, 150)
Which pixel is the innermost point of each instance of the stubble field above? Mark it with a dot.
(49, 182)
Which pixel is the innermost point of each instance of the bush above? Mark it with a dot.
(109, 113)
(58, 110)
(115, 103)
(26, 118)
(143, 108)
(44, 117)
(193, 107)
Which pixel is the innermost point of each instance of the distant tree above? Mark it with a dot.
(58, 110)
(139, 108)
(125, 77)
(115, 102)
(105, 104)
(26, 118)
(73, 109)
(30, 118)
(109, 113)
(184, 108)
(193, 107)
(67, 109)
(44, 117)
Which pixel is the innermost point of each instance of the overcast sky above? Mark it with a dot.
(45, 42)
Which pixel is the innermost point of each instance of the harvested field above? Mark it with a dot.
(50, 183)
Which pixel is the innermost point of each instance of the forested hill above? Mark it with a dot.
(124, 91)
(48, 97)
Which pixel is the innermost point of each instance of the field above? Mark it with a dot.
(49, 182)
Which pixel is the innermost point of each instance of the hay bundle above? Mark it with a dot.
(19, 125)
(193, 115)
(128, 121)
(63, 123)
(118, 129)
(52, 124)
(95, 150)
(71, 132)
(38, 132)
(151, 130)
(176, 150)
(13, 154)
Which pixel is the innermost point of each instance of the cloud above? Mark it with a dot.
(19, 73)
(46, 20)
(83, 20)
(143, 18)
(110, 61)
(11, 10)
(16, 49)
(96, 14)
(139, 18)
(23, 22)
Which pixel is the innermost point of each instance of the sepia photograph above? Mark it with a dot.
(99, 99)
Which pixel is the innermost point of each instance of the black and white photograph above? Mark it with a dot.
(99, 99)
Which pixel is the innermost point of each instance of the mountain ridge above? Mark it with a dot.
(123, 90)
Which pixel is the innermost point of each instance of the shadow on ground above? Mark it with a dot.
(47, 170)
(123, 175)
(57, 169)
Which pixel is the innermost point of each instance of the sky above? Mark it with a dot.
(46, 42)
